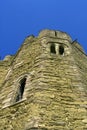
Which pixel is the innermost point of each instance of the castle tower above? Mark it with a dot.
(44, 86)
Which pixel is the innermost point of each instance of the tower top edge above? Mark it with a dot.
(55, 33)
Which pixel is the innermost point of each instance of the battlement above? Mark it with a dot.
(55, 34)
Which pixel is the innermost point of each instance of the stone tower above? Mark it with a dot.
(44, 86)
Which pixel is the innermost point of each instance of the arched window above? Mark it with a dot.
(52, 49)
(61, 50)
(21, 89)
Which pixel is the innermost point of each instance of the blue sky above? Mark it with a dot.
(20, 18)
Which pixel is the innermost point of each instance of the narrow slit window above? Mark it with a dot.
(52, 49)
(61, 50)
(21, 89)
(55, 33)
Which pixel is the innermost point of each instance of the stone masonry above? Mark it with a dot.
(44, 85)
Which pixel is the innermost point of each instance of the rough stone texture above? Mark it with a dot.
(55, 93)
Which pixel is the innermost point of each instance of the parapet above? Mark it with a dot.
(78, 46)
(60, 35)
(55, 34)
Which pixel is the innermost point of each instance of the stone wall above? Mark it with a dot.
(55, 92)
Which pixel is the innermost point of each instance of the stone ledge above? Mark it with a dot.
(11, 105)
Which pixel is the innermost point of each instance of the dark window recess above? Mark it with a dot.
(52, 49)
(21, 89)
(17, 98)
(55, 33)
(35, 128)
(61, 50)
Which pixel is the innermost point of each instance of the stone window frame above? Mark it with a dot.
(21, 89)
(66, 50)
(61, 50)
(53, 48)
(17, 85)
(17, 88)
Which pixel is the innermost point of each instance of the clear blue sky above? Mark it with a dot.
(20, 18)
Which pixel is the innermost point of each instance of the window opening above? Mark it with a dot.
(21, 89)
(52, 49)
(33, 128)
(55, 33)
(61, 50)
